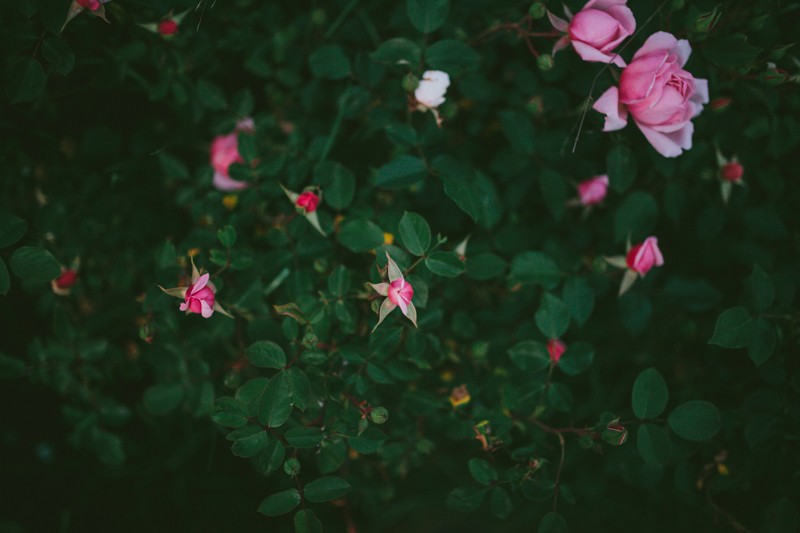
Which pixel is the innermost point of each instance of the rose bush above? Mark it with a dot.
(411, 284)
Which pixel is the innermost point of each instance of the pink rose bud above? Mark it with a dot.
(167, 27)
(400, 293)
(593, 190)
(596, 30)
(732, 172)
(642, 257)
(225, 152)
(308, 201)
(67, 279)
(556, 349)
(199, 297)
(661, 97)
(91, 5)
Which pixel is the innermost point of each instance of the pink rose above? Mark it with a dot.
(308, 201)
(593, 190)
(732, 171)
(225, 152)
(199, 297)
(596, 30)
(661, 96)
(642, 257)
(91, 5)
(63, 283)
(556, 349)
(167, 27)
(398, 293)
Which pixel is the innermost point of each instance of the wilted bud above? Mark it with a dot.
(708, 20)
(720, 104)
(537, 10)
(545, 62)
(615, 434)
(379, 415)
(291, 467)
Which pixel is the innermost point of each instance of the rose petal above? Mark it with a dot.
(609, 105)
(558, 23)
(669, 144)
(588, 53)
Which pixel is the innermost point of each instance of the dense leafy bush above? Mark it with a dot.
(584, 328)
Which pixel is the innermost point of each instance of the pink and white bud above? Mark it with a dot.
(643, 257)
(556, 348)
(307, 201)
(398, 293)
(596, 30)
(593, 191)
(200, 297)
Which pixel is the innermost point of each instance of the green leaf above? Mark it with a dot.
(483, 472)
(650, 394)
(211, 95)
(329, 62)
(485, 266)
(695, 420)
(554, 192)
(26, 80)
(338, 184)
(560, 397)
(54, 14)
(579, 298)
(271, 457)
(227, 236)
(397, 51)
(731, 51)
(339, 281)
(370, 441)
(303, 437)
(251, 445)
(5, 279)
(280, 503)
(276, 404)
(12, 229)
(445, 264)
(360, 235)
(30, 262)
(762, 340)
(552, 522)
(732, 329)
(762, 289)
(530, 355)
(577, 359)
(59, 54)
(401, 172)
(427, 15)
(451, 56)
(466, 498)
(519, 131)
(305, 521)
(552, 317)
(537, 490)
(229, 412)
(415, 233)
(299, 387)
(653, 444)
(536, 268)
(325, 489)
(163, 399)
(402, 135)
(501, 503)
(622, 167)
(266, 354)
(635, 217)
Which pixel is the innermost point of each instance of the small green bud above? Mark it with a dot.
(545, 62)
(310, 339)
(707, 21)
(379, 415)
(599, 265)
(291, 467)
(615, 434)
(410, 82)
(586, 441)
(537, 10)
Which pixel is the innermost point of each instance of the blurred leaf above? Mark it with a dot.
(732, 328)
(536, 268)
(30, 262)
(653, 444)
(415, 233)
(329, 62)
(266, 354)
(325, 489)
(280, 503)
(360, 235)
(25, 80)
(427, 15)
(401, 172)
(650, 394)
(482, 472)
(695, 420)
(451, 56)
(552, 317)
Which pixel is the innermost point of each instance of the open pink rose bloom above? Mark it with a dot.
(398, 293)
(661, 97)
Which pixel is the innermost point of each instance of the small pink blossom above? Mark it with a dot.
(556, 349)
(167, 27)
(732, 171)
(63, 283)
(642, 257)
(661, 97)
(398, 293)
(199, 297)
(596, 30)
(308, 201)
(593, 191)
(224, 153)
(91, 5)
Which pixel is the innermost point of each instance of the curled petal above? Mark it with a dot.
(226, 183)
(616, 113)
(662, 40)
(394, 271)
(205, 309)
(201, 282)
(381, 288)
(589, 53)
(386, 308)
(671, 144)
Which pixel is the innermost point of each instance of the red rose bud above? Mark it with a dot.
(167, 27)
(91, 5)
(308, 201)
(733, 172)
(556, 348)
(615, 435)
(67, 279)
(720, 104)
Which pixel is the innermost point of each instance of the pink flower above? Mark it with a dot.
(308, 201)
(91, 5)
(398, 293)
(661, 96)
(596, 30)
(556, 349)
(167, 27)
(63, 283)
(642, 257)
(593, 190)
(225, 152)
(732, 171)
(199, 297)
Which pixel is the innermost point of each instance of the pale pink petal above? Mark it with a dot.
(226, 183)
(380, 288)
(201, 282)
(701, 91)
(624, 15)
(604, 4)
(562, 43)
(401, 302)
(184, 306)
(669, 144)
(205, 309)
(558, 23)
(667, 42)
(589, 53)
(616, 114)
